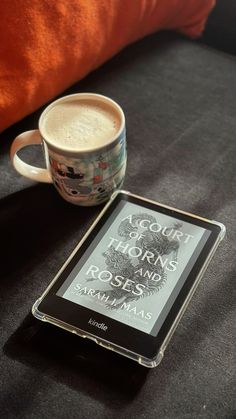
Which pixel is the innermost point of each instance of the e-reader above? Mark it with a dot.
(131, 277)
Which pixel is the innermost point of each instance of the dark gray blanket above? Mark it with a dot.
(179, 98)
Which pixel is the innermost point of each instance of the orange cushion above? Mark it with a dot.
(48, 45)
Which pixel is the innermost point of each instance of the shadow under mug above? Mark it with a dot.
(82, 177)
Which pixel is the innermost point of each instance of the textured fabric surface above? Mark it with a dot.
(48, 45)
(179, 101)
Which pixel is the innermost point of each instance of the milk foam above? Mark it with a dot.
(80, 124)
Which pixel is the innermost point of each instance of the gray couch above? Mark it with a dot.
(179, 97)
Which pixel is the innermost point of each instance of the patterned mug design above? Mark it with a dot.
(90, 180)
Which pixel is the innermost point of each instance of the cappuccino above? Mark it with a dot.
(81, 124)
(84, 143)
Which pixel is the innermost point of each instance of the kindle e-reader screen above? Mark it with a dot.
(136, 265)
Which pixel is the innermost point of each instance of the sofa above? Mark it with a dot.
(179, 98)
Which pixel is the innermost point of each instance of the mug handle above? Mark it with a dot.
(32, 172)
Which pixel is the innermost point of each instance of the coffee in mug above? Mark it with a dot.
(83, 137)
(84, 123)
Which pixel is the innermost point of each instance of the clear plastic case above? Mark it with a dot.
(147, 362)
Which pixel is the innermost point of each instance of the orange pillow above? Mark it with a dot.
(47, 45)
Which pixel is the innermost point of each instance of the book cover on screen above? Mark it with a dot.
(136, 266)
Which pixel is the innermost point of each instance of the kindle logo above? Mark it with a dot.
(98, 325)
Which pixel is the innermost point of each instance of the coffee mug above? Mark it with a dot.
(84, 143)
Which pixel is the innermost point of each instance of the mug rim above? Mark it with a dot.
(86, 95)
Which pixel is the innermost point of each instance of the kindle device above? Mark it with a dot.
(129, 280)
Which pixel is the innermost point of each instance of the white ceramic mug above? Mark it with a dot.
(81, 176)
